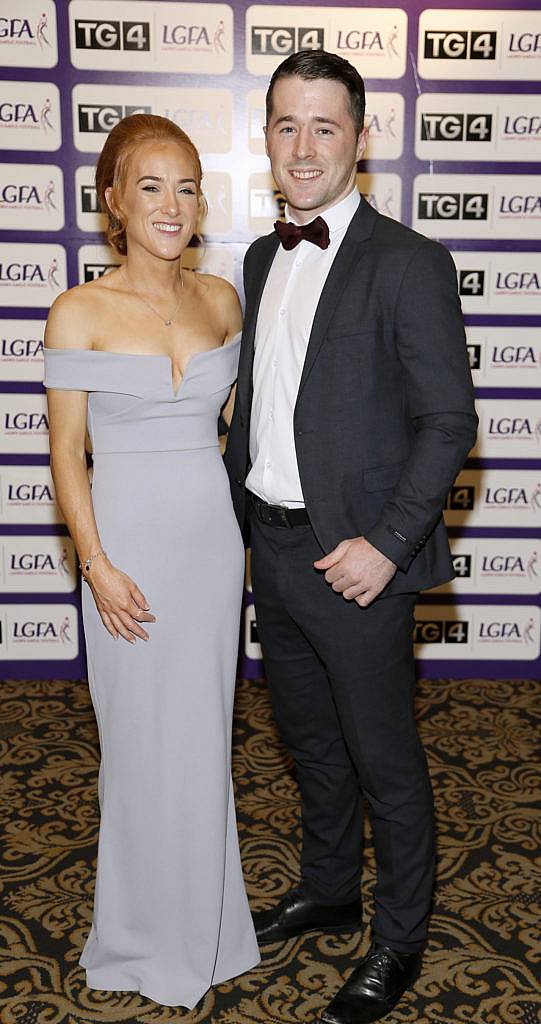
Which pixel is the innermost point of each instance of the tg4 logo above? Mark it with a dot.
(453, 206)
(112, 35)
(441, 44)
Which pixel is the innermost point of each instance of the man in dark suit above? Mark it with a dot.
(354, 413)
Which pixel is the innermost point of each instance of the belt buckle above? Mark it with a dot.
(283, 512)
(264, 513)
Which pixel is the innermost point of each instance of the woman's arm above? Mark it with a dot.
(120, 603)
(233, 322)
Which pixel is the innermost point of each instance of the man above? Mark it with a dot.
(354, 413)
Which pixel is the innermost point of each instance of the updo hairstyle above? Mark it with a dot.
(112, 166)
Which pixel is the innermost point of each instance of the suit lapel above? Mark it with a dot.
(338, 278)
(253, 302)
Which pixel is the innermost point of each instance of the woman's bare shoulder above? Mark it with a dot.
(216, 287)
(72, 316)
(222, 301)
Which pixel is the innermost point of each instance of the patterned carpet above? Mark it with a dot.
(482, 965)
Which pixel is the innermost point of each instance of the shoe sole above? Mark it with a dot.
(344, 929)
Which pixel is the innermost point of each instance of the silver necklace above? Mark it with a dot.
(170, 320)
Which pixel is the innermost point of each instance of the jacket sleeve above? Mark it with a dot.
(430, 340)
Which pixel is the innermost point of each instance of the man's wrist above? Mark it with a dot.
(391, 543)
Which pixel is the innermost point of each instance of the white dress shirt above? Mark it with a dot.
(288, 305)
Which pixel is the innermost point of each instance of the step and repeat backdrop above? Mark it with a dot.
(454, 112)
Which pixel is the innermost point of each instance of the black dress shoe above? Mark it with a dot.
(298, 913)
(374, 988)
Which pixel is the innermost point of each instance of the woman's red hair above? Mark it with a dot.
(123, 140)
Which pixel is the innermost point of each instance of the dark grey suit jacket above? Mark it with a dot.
(384, 417)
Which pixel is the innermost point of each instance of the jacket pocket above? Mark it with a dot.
(337, 332)
(380, 478)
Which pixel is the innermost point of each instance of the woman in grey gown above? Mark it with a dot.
(145, 357)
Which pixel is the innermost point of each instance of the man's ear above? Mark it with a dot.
(362, 142)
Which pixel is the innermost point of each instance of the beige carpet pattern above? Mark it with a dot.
(483, 963)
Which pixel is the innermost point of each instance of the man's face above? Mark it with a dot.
(312, 144)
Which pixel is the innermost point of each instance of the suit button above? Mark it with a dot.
(239, 482)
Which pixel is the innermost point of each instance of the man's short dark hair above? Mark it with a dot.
(321, 64)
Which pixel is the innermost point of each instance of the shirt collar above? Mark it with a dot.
(337, 216)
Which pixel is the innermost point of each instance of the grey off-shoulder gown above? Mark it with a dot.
(171, 916)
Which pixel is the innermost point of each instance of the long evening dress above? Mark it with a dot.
(171, 916)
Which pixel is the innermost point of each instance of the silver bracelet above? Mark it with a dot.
(85, 565)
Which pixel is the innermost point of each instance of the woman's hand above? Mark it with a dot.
(119, 601)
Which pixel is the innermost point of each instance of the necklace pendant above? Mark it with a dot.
(168, 323)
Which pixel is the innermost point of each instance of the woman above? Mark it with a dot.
(146, 356)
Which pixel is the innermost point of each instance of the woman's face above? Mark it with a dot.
(160, 199)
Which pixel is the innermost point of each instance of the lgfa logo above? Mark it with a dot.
(381, 127)
(510, 565)
(195, 38)
(463, 45)
(35, 275)
(369, 42)
(26, 493)
(521, 44)
(32, 631)
(520, 126)
(28, 197)
(383, 203)
(21, 349)
(510, 355)
(507, 632)
(524, 282)
(514, 427)
(196, 120)
(26, 423)
(280, 41)
(27, 115)
(516, 498)
(22, 30)
(520, 206)
(112, 35)
(42, 563)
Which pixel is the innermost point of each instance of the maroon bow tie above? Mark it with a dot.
(317, 231)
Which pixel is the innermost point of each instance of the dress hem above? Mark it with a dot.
(188, 1003)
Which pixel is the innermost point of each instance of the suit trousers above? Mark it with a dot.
(342, 683)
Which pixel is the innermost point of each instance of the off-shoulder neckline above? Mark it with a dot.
(152, 355)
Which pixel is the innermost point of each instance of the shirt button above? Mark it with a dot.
(283, 312)
(275, 362)
(271, 414)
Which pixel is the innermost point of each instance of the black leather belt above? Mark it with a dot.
(278, 515)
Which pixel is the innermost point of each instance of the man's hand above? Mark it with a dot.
(357, 570)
